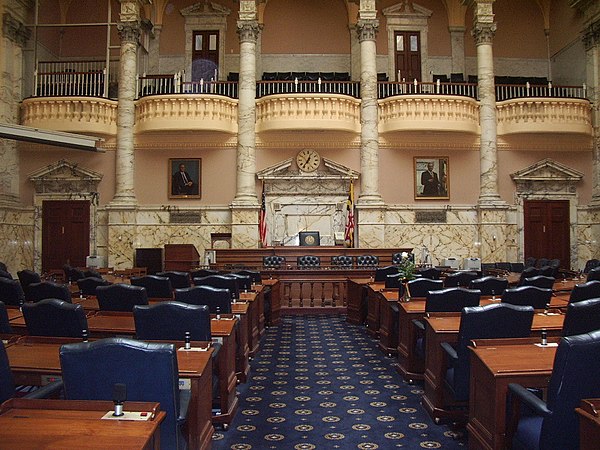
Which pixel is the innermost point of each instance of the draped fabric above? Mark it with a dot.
(349, 234)
(262, 220)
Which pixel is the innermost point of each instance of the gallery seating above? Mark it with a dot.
(121, 297)
(554, 424)
(52, 317)
(91, 370)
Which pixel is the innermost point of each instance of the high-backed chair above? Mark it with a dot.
(395, 281)
(52, 317)
(7, 384)
(120, 297)
(148, 370)
(253, 274)
(582, 317)
(585, 291)
(542, 262)
(432, 273)
(341, 261)
(591, 264)
(220, 281)
(92, 273)
(308, 262)
(528, 272)
(593, 274)
(399, 257)
(481, 322)
(489, 285)
(169, 321)
(72, 274)
(517, 267)
(27, 277)
(554, 424)
(203, 273)
(218, 300)
(48, 289)
(540, 281)
(5, 274)
(11, 292)
(381, 273)
(538, 298)
(178, 279)
(548, 271)
(451, 299)
(420, 287)
(88, 285)
(367, 261)
(273, 261)
(3, 266)
(504, 265)
(530, 262)
(460, 279)
(4, 323)
(156, 287)
(244, 282)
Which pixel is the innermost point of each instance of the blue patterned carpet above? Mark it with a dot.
(321, 383)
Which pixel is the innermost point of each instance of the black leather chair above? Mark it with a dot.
(528, 272)
(148, 370)
(5, 327)
(200, 273)
(395, 281)
(542, 262)
(538, 298)
(432, 273)
(593, 274)
(505, 266)
(420, 287)
(460, 279)
(381, 273)
(27, 277)
(52, 317)
(178, 279)
(72, 274)
(7, 384)
(244, 282)
(308, 262)
(591, 264)
(540, 281)
(3, 266)
(548, 271)
(517, 267)
(48, 289)
(92, 273)
(481, 322)
(554, 424)
(220, 281)
(451, 299)
(253, 274)
(121, 297)
(370, 261)
(585, 291)
(273, 261)
(341, 261)
(169, 321)
(11, 292)
(489, 285)
(5, 274)
(530, 262)
(218, 300)
(156, 287)
(88, 285)
(582, 317)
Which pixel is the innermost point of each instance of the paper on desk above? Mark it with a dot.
(549, 344)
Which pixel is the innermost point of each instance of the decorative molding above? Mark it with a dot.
(433, 216)
(248, 30)
(205, 9)
(367, 29)
(129, 32)
(591, 35)
(483, 33)
(15, 30)
(65, 177)
(185, 217)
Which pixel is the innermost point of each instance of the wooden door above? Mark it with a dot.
(205, 55)
(65, 233)
(407, 50)
(547, 230)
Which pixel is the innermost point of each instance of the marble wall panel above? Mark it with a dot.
(16, 247)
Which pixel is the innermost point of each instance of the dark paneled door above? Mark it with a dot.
(65, 233)
(205, 55)
(407, 48)
(547, 230)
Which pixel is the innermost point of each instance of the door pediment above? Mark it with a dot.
(65, 177)
(546, 177)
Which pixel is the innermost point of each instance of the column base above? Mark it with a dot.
(125, 201)
(370, 199)
(491, 200)
(245, 200)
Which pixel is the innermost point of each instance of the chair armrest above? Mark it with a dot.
(529, 399)
(419, 324)
(450, 351)
(47, 391)
(184, 401)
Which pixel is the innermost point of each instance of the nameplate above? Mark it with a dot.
(430, 217)
(139, 416)
(185, 217)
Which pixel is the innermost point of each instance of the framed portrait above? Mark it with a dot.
(432, 179)
(185, 178)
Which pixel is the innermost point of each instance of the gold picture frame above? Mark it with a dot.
(432, 178)
(186, 183)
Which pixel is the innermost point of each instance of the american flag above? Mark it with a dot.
(349, 234)
(262, 220)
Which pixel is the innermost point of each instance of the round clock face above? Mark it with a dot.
(308, 160)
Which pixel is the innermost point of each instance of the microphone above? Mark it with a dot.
(119, 396)
(188, 340)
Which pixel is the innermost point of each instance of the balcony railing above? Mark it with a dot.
(350, 88)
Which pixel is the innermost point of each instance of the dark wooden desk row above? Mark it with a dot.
(32, 359)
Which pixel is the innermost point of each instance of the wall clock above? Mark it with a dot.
(308, 160)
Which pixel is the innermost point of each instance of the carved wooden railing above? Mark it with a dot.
(314, 293)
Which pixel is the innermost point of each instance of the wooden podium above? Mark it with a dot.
(181, 257)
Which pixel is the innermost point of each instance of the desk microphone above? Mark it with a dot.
(188, 340)
(119, 396)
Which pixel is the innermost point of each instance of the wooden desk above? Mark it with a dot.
(494, 365)
(71, 425)
(33, 359)
(589, 424)
(356, 297)
(242, 356)
(444, 327)
(388, 321)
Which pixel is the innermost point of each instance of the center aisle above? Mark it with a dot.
(319, 382)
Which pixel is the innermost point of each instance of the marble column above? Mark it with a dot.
(129, 33)
(248, 31)
(591, 40)
(457, 41)
(484, 29)
(369, 147)
(14, 37)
